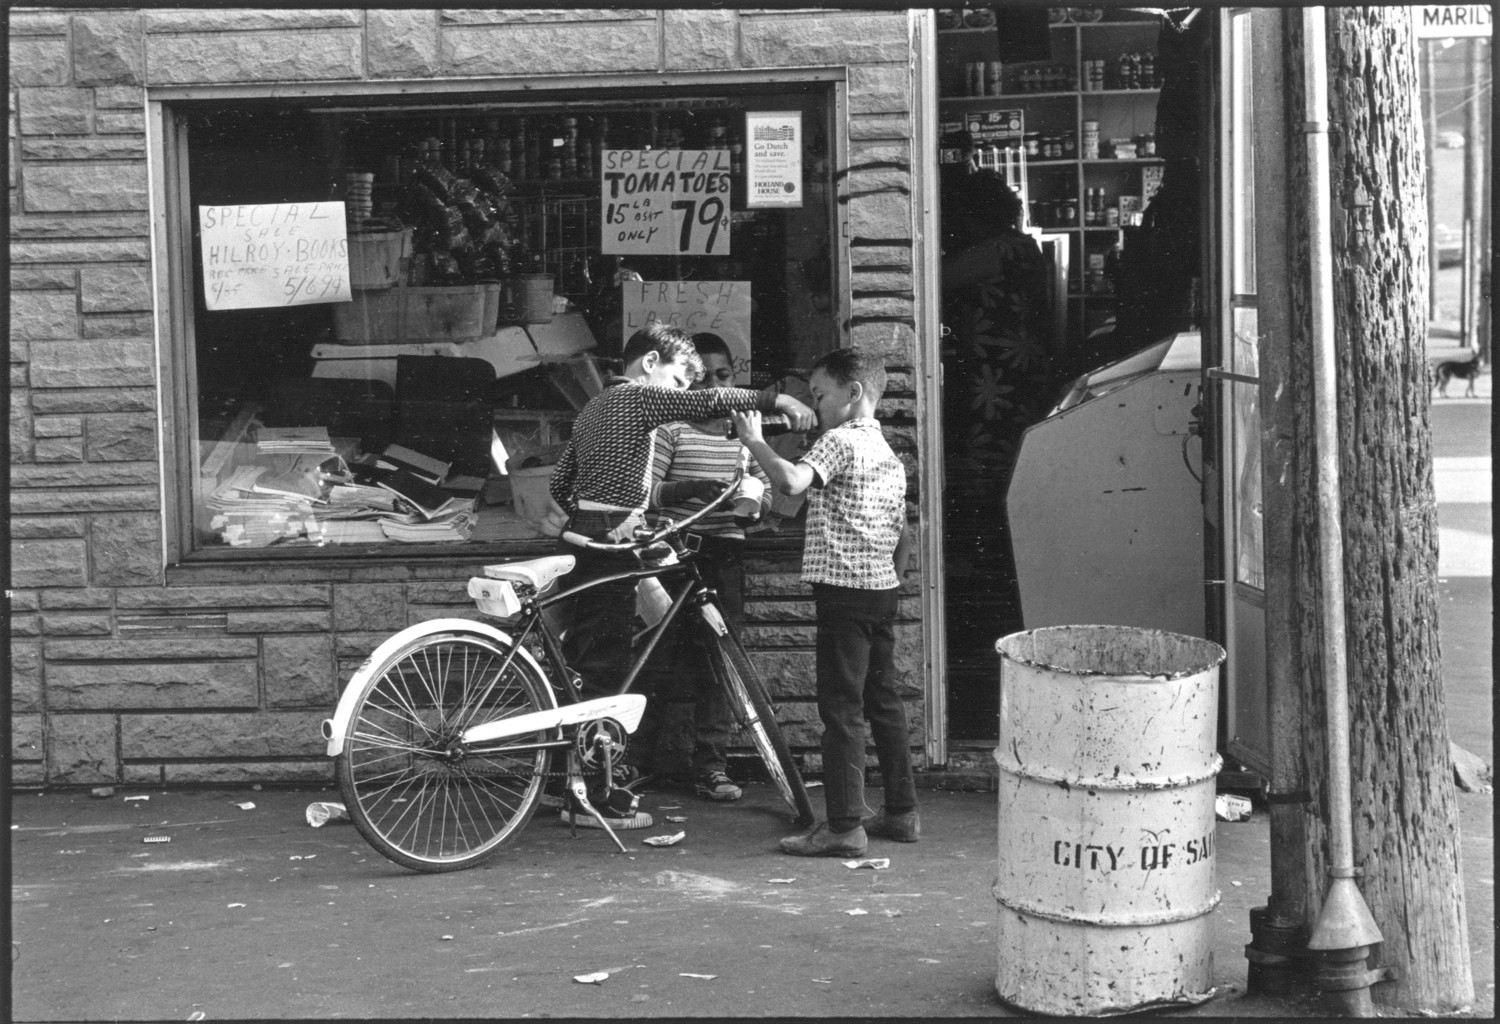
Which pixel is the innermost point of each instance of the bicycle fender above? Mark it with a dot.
(715, 619)
(334, 728)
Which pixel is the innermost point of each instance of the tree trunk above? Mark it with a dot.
(1406, 839)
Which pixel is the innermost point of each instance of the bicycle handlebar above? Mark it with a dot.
(642, 543)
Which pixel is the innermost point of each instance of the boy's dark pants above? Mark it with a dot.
(600, 622)
(857, 683)
(680, 658)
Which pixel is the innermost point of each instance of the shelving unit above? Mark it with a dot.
(1052, 183)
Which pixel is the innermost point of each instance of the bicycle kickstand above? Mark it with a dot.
(579, 790)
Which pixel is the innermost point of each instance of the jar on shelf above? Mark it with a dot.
(1069, 146)
(1089, 148)
(1034, 145)
(992, 78)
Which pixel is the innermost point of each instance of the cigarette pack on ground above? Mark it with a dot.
(1228, 807)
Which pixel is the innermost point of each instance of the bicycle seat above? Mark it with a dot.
(538, 572)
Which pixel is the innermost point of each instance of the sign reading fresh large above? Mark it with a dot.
(715, 307)
(665, 202)
(1447, 21)
(275, 254)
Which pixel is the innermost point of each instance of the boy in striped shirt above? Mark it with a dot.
(690, 464)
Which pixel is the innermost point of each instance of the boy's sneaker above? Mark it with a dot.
(640, 819)
(619, 810)
(823, 842)
(902, 828)
(716, 786)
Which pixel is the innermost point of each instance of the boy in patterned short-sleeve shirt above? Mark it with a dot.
(856, 542)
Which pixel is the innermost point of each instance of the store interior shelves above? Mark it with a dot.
(1084, 159)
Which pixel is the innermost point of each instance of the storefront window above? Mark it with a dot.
(498, 254)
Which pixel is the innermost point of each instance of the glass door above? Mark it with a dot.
(1236, 380)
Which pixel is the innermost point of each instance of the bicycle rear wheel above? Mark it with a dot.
(752, 707)
(412, 790)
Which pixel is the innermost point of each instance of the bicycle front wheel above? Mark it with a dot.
(412, 789)
(752, 706)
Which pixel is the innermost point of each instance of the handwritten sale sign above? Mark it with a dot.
(279, 254)
(665, 202)
(718, 307)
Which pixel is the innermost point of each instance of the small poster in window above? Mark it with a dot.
(665, 202)
(774, 165)
(275, 254)
(717, 307)
(1150, 181)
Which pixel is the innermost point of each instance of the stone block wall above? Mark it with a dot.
(125, 670)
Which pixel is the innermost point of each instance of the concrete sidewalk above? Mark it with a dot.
(252, 913)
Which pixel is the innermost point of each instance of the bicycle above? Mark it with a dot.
(443, 737)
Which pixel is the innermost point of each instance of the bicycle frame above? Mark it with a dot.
(532, 608)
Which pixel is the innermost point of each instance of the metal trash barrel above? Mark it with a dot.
(1105, 874)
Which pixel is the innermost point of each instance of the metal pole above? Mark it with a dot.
(1344, 926)
(1474, 183)
(1429, 111)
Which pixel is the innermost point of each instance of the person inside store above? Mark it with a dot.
(856, 544)
(998, 380)
(601, 480)
(690, 464)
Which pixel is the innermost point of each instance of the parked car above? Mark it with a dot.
(1450, 245)
(1450, 140)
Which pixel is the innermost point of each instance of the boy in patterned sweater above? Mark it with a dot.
(857, 542)
(689, 464)
(601, 482)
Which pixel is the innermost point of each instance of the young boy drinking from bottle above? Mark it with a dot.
(601, 482)
(690, 464)
(856, 539)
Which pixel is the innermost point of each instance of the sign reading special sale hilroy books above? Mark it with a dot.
(275, 254)
(773, 168)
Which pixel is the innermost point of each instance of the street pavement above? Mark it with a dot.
(248, 912)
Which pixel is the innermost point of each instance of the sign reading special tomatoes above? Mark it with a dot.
(665, 202)
(774, 170)
(275, 254)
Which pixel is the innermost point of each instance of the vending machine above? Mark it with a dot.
(1105, 504)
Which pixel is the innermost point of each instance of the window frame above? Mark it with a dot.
(171, 250)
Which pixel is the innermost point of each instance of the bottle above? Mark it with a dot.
(771, 425)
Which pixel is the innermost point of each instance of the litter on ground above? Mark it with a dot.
(671, 840)
(591, 979)
(676, 819)
(321, 812)
(780, 881)
(245, 806)
(136, 799)
(874, 863)
(157, 839)
(856, 912)
(704, 977)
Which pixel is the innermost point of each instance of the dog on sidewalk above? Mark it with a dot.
(1464, 369)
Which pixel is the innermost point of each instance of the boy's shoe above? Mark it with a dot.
(619, 810)
(902, 828)
(640, 819)
(716, 786)
(823, 842)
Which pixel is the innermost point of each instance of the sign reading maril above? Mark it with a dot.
(665, 202)
(1447, 21)
(281, 254)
